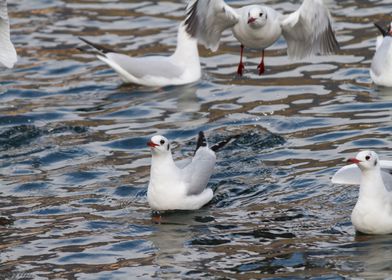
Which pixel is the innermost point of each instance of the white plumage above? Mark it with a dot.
(182, 67)
(171, 187)
(372, 213)
(8, 55)
(381, 66)
(307, 30)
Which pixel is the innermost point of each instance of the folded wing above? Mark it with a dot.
(308, 31)
(207, 19)
(7, 50)
(351, 174)
(197, 173)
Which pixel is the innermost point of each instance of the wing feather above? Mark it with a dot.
(351, 174)
(207, 19)
(308, 31)
(198, 172)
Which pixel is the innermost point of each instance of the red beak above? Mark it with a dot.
(251, 19)
(353, 160)
(151, 144)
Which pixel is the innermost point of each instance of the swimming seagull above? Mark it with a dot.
(182, 67)
(381, 66)
(372, 213)
(174, 188)
(7, 50)
(307, 31)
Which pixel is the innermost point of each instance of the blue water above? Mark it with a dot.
(74, 165)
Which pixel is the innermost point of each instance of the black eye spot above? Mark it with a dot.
(261, 14)
(168, 146)
(162, 142)
(367, 157)
(375, 163)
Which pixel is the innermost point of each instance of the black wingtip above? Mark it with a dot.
(223, 143)
(100, 48)
(201, 141)
(191, 21)
(382, 30)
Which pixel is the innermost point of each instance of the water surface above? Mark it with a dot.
(74, 166)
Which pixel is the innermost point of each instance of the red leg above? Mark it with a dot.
(261, 65)
(156, 217)
(241, 66)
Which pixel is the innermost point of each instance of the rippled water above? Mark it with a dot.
(74, 166)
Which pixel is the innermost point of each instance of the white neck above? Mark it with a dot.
(163, 168)
(186, 51)
(371, 184)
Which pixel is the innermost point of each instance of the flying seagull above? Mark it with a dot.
(307, 31)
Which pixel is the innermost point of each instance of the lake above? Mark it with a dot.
(74, 165)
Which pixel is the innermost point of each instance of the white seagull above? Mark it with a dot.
(182, 67)
(381, 66)
(307, 30)
(7, 50)
(174, 188)
(372, 213)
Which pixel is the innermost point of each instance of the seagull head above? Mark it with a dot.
(384, 32)
(366, 160)
(257, 16)
(159, 144)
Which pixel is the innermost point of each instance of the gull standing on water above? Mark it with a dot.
(307, 31)
(372, 213)
(174, 188)
(182, 67)
(7, 50)
(381, 66)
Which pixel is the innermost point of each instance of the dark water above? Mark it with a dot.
(74, 166)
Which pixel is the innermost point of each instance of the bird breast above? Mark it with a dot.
(261, 37)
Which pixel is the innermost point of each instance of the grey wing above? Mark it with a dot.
(387, 179)
(207, 19)
(7, 50)
(198, 172)
(348, 175)
(140, 67)
(308, 30)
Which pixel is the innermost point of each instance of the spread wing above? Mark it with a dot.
(207, 19)
(7, 50)
(351, 174)
(308, 30)
(198, 172)
(347, 175)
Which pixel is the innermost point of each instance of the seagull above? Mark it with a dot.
(7, 50)
(175, 188)
(372, 213)
(307, 31)
(182, 67)
(381, 66)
